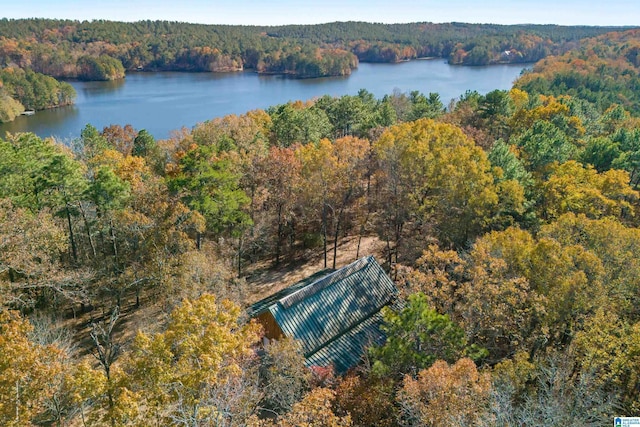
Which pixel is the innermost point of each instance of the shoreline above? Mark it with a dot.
(153, 99)
(293, 75)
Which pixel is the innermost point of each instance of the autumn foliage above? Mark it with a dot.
(509, 222)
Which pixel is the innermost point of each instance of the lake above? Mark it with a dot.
(162, 102)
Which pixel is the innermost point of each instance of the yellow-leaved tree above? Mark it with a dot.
(199, 370)
(432, 176)
(332, 180)
(578, 189)
(25, 370)
(314, 410)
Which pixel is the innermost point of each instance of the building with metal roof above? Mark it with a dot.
(334, 314)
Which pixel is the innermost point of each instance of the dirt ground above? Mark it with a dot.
(264, 280)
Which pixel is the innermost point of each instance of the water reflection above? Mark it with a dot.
(43, 123)
(163, 102)
(87, 89)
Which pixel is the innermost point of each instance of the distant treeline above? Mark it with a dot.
(604, 71)
(57, 47)
(31, 50)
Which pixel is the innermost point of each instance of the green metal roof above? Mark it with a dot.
(336, 315)
(264, 304)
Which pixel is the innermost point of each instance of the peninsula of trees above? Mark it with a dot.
(510, 222)
(24, 89)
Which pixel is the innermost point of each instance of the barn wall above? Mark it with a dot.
(271, 328)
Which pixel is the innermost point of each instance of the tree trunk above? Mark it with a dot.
(279, 236)
(345, 201)
(195, 415)
(240, 256)
(111, 404)
(88, 231)
(335, 237)
(324, 232)
(74, 251)
(114, 245)
(362, 229)
(634, 179)
(17, 402)
(292, 234)
(84, 423)
(397, 249)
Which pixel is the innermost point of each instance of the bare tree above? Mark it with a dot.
(106, 350)
(560, 396)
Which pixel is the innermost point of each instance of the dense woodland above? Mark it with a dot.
(53, 47)
(510, 222)
(34, 50)
(22, 90)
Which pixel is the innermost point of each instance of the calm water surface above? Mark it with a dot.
(162, 102)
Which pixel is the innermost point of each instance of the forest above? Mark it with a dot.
(58, 47)
(509, 222)
(22, 90)
(33, 52)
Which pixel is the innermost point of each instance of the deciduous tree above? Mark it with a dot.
(198, 370)
(456, 395)
(25, 369)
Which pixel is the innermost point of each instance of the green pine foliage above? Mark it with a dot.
(26, 89)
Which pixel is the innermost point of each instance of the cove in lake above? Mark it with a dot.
(166, 101)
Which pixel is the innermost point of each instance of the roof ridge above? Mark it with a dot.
(312, 288)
